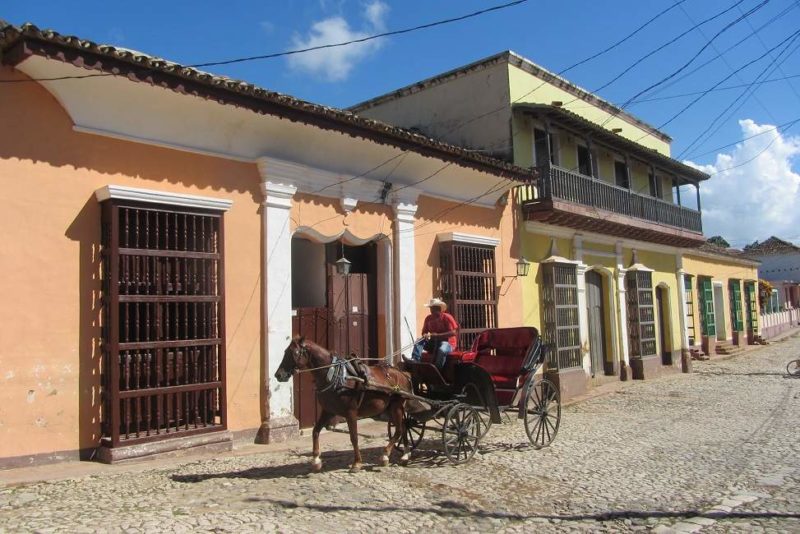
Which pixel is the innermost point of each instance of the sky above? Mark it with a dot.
(743, 136)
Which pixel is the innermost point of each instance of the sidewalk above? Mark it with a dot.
(371, 432)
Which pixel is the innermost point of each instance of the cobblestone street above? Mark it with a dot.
(714, 451)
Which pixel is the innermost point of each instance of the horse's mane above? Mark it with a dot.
(322, 351)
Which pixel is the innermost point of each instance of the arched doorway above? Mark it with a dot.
(346, 314)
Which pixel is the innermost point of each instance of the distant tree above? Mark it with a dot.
(719, 241)
(752, 245)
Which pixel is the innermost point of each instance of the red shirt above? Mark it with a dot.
(439, 325)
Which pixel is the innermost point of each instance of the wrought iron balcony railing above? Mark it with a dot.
(556, 183)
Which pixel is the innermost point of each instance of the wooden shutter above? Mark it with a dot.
(163, 322)
(735, 294)
(561, 329)
(469, 287)
(750, 301)
(707, 317)
(641, 314)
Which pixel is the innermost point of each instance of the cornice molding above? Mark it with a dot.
(121, 192)
(468, 238)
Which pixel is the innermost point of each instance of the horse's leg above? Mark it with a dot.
(397, 413)
(352, 426)
(316, 463)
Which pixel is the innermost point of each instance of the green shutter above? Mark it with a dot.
(707, 304)
(736, 305)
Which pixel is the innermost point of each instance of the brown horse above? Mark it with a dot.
(352, 404)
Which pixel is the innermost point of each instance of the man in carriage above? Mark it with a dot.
(438, 334)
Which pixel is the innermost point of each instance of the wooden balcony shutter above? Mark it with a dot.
(707, 317)
(163, 289)
(469, 287)
(561, 331)
(735, 289)
(641, 314)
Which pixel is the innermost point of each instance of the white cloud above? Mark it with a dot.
(335, 64)
(754, 192)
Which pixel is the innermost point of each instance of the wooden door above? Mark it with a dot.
(596, 313)
(666, 357)
(312, 323)
(349, 308)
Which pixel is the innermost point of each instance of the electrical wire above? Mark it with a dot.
(305, 50)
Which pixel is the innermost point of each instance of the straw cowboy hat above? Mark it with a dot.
(434, 302)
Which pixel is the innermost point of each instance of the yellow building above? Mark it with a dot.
(604, 223)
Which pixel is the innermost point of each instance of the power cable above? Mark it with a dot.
(304, 50)
(702, 94)
(716, 89)
(785, 124)
(695, 56)
(735, 45)
(740, 97)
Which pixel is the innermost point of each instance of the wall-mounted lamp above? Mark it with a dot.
(343, 264)
(616, 130)
(556, 103)
(523, 267)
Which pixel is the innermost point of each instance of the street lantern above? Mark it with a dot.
(523, 267)
(343, 266)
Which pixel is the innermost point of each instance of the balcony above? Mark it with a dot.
(566, 198)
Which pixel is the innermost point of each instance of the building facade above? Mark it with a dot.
(169, 231)
(607, 223)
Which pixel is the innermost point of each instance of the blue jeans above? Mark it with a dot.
(443, 348)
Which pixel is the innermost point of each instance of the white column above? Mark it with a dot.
(279, 423)
(623, 306)
(583, 318)
(405, 263)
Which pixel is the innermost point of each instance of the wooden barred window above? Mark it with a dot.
(163, 322)
(561, 330)
(690, 329)
(735, 294)
(469, 287)
(707, 316)
(641, 314)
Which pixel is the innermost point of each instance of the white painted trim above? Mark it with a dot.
(161, 144)
(599, 253)
(278, 195)
(468, 238)
(121, 192)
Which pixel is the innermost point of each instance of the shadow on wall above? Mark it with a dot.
(85, 230)
(38, 128)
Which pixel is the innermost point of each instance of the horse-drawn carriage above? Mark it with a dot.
(476, 387)
(496, 376)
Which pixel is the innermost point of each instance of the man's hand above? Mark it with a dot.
(427, 336)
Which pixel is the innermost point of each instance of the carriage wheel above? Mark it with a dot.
(461, 432)
(793, 368)
(486, 423)
(543, 413)
(415, 430)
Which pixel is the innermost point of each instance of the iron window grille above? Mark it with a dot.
(561, 329)
(468, 285)
(163, 297)
(641, 314)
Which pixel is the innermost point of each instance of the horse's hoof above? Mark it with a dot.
(405, 459)
(316, 468)
(355, 468)
(384, 462)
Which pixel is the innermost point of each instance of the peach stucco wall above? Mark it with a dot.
(435, 216)
(49, 267)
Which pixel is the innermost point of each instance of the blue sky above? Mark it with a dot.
(551, 33)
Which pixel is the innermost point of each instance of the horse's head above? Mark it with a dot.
(294, 357)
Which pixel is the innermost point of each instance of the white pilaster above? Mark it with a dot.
(583, 318)
(277, 270)
(405, 263)
(680, 274)
(623, 306)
